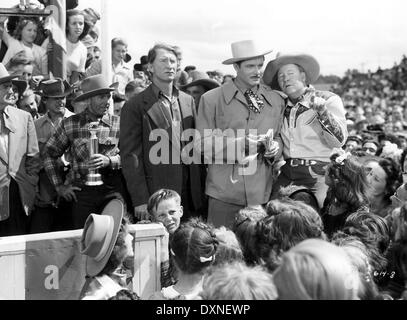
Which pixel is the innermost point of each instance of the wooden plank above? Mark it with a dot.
(25, 13)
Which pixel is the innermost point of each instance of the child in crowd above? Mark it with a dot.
(316, 270)
(29, 102)
(193, 249)
(237, 281)
(288, 223)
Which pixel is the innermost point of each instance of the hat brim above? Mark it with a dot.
(96, 92)
(209, 84)
(21, 85)
(115, 209)
(234, 60)
(8, 79)
(307, 62)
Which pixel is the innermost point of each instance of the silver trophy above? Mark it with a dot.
(93, 178)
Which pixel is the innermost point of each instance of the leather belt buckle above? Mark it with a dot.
(294, 162)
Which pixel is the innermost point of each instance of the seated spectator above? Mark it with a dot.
(347, 190)
(198, 85)
(358, 254)
(288, 223)
(106, 243)
(316, 270)
(134, 87)
(384, 178)
(245, 229)
(29, 102)
(193, 249)
(229, 248)
(23, 39)
(121, 71)
(370, 147)
(237, 281)
(353, 142)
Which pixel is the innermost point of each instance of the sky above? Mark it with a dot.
(341, 35)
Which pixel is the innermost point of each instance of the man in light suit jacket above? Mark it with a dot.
(19, 159)
(165, 111)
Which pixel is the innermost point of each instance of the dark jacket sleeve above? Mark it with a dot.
(131, 150)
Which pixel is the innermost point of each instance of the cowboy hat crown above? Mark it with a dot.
(93, 86)
(99, 236)
(200, 78)
(245, 50)
(305, 61)
(55, 88)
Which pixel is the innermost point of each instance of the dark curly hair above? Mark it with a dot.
(394, 178)
(193, 246)
(288, 223)
(374, 232)
(348, 182)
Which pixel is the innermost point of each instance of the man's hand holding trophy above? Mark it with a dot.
(96, 161)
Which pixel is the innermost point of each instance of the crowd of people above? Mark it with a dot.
(267, 187)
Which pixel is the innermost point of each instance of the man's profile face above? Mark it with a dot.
(196, 92)
(8, 94)
(56, 105)
(169, 213)
(291, 80)
(164, 67)
(249, 71)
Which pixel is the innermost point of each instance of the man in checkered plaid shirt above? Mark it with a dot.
(73, 135)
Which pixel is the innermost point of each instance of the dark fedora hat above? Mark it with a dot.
(54, 88)
(93, 86)
(200, 78)
(5, 77)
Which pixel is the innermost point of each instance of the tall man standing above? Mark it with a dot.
(19, 162)
(314, 122)
(243, 111)
(159, 108)
(73, 135)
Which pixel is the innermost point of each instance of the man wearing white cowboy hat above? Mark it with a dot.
(19, 159)
(314, 122)
(239, 106)
(198, 85)
(73, 135)
(51, 213)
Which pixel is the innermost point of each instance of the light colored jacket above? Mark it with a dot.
(22, 161)
(226, 108)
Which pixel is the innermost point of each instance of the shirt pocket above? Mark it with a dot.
(81, 149)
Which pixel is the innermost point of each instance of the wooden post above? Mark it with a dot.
(106, 54)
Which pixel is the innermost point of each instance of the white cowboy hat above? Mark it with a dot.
(100, 235)
(245, 50)
(306, 61)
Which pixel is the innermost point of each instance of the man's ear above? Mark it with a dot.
(150, 68)
(181, 210)
(236, 67)
(304, 78)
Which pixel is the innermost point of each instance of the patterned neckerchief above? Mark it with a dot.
(255, 103)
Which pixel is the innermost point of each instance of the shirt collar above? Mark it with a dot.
(157, 92)
(106, 119)
(230, 90)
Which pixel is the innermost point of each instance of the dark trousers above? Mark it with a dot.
(16, 224)
(50, 219)
(312, 177)
(92, 199)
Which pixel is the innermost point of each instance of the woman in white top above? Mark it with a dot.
(76, 30)
(23, 40)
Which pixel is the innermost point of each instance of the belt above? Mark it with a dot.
(294, 162)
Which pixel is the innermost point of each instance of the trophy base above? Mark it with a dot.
(94, 179)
